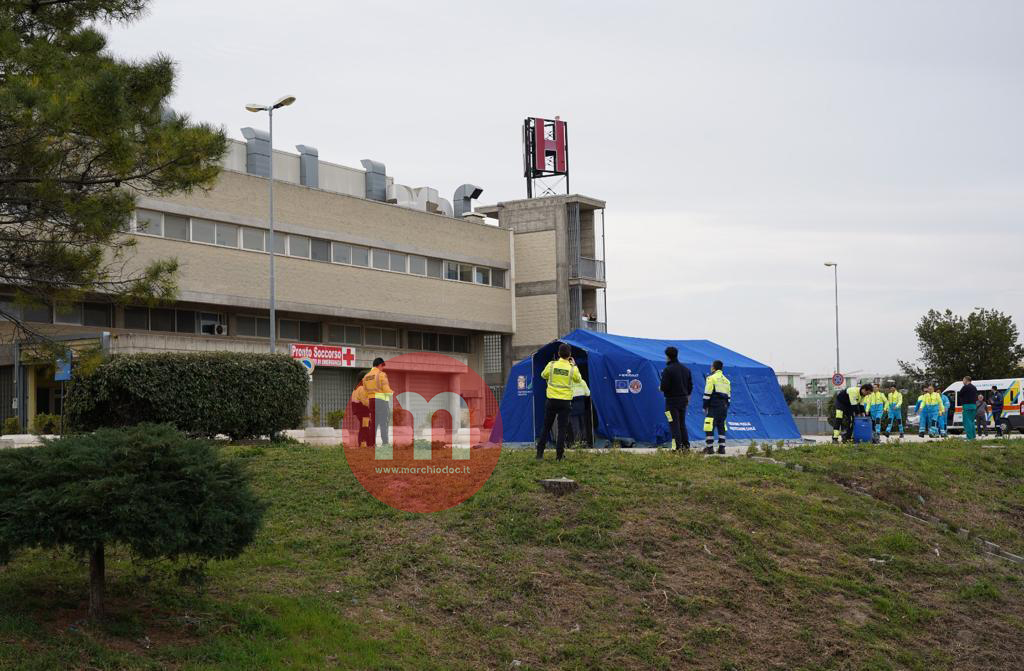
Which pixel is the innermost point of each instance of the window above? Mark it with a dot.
(381, 259)
(298, 245)
(136, 318)
(148, 222)
(320, 250)
(227, 235)
(289, 329)
(208, 322)
(465, 273)
(186, 321)
(161, 319)
(451, 270)
(438, 342)
(279, 243)
(68, 314)
(434, 268)
(444, 342)
(341, 253)
(256, 327)
(383, 337)
(96, 314)
(360, 256)
(498, 278)
(415, 340)
(398, 262)
(204, 231)
(254, 238)
(344, 334)
(461, 344)
(417, 265)
(430, 342)
(482, 275)
(175, 227)
(309, 331)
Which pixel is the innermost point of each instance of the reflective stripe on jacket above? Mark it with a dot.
(717, 387)
(376, 384)
(560, 375)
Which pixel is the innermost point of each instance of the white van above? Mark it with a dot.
(1010, 388)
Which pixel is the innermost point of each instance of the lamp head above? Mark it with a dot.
(254, 107)
(284, 102)
(829, 264)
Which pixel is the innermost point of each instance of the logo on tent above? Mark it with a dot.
(635, 386)
(622, 386)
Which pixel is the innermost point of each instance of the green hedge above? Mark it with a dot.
(204, 393)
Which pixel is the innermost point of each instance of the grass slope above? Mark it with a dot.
(657, 562)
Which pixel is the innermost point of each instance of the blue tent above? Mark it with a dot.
(624, 375)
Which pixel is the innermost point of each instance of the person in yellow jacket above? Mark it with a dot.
(894, 408)
(874, 406)
(378, 393)
(360, 404)
(717, 395)
(560, 375)
(928, 405)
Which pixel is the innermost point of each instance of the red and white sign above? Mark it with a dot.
(328, 356)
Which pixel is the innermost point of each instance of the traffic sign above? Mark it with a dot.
(838, 380)
(309, 365)
(62, 368)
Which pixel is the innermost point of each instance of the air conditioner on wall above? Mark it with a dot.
(220, 329)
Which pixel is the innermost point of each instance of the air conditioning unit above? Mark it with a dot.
(220, 329)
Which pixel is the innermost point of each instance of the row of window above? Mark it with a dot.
(192, 229)
(173, 320)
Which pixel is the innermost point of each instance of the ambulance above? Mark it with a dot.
(1011, 389)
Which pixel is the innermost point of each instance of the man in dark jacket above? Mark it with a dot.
(676, 385)
(996, 404)
(849, 404)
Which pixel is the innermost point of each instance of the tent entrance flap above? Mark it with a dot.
(624, 374)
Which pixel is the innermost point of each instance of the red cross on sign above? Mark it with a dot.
(349, 357)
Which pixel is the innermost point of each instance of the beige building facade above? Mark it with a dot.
(361, 263)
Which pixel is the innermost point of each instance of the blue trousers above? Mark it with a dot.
(894, 420)
(942, 422)
(929, 417)
(876, 421)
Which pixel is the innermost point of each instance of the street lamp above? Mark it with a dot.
(269, 109)
(835, 275)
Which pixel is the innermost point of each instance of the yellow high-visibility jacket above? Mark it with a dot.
(376, 384)
(561, 375)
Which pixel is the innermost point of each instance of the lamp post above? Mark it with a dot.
(835, 275)
(269, 109)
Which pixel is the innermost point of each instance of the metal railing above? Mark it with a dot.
(589, 269)
(599, 327)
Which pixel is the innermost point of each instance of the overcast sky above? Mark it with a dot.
(739, 145)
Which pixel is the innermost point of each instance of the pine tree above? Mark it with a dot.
(147, 488)
(82, 134)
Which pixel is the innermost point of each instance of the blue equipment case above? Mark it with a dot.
(862, 431)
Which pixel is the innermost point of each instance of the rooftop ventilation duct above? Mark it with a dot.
(257, 151)
(464, 195)
(309, 166)
(376, 180)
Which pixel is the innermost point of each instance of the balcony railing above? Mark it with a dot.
(599, 327)
(589, 269)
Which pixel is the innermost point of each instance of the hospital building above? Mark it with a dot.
(363, 263)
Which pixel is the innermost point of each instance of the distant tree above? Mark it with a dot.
(984, 344)
(82, 133)
(148, 488)
(790, 393)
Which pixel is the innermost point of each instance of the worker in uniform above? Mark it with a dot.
(360, 408)
(578, 415)
(928, 411)
(717, 394)
(849, 404)
(943, 413)
(379, 394)
(677, 386)
(894, 406)
(874, 406)
(560, 375)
